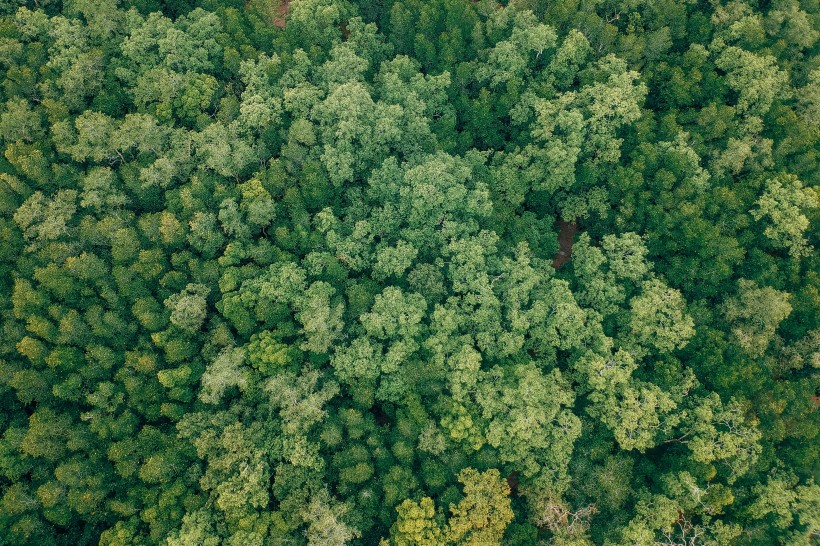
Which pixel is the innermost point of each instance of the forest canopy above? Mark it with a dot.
(409, 273)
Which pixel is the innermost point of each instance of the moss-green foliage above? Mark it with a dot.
(291, 284)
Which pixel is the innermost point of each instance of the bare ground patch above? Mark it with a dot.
(281, 13)
(566, 236)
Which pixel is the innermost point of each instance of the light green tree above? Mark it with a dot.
(658, 317)
(754, 315)
(784, 204)
(480, 518)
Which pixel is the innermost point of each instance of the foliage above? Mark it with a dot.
(282, 273)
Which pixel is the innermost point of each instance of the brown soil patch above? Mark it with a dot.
(512, 481)
(380, 415)
(281, 13)
(566, 236)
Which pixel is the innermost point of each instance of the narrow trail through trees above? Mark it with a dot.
(566, 236)
(281, 12)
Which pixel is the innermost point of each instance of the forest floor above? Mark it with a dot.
(566, 236)
(281, 12)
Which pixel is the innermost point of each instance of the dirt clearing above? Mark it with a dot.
(566, 236)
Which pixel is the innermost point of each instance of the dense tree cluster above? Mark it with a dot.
(288, 274)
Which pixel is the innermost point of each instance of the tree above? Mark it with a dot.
(416, 524)
(188, 308)
(637, 414)
(484, 512)
(549, 511)
(755, 314)
(658, 319)
(300, 402)
(528, 420)
(345, 118)
(784, 203)
(321, 318)
(197, 528)
(222, 374)
(20, 122)
(756, 78)
(224, 151)
(508, 59)
(394, 260)
(724, 433)
(325, 525)
(314, 25)
(44, 219)
(790, 507)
